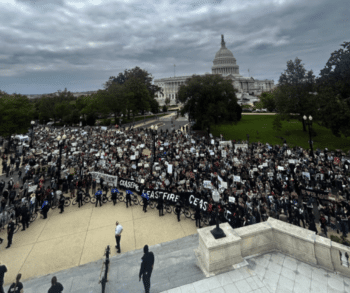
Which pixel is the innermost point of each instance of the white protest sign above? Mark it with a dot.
(212, 141)
(207, 184)
(231, 199)
(223, 185)
(306, 174)
(170, 169)
(223, 143)
(241, 145)
(223, 153)
(237, 178)
(280, 168)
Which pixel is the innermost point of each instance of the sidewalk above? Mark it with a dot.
(142, 124)
(80, 236)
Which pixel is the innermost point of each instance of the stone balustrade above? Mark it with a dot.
(217, 256)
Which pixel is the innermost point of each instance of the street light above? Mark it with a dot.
(31, 141)
(61, 142)
(309, 123)
(154, 131)
(217, 232)
(82, 161)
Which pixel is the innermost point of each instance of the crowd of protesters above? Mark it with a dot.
(270, 178)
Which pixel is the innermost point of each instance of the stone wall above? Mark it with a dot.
(295, 241)
(273, 235)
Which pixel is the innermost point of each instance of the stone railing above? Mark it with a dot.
(217, 256)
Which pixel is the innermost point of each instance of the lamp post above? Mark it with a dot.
(82, 163)
(31, 141)
(217, 232)
(61, 142)
(154, 131)
(309, 123)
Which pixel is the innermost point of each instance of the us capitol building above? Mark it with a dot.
(225, 64)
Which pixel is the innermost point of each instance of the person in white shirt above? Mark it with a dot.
(32, 203)
(118, 232)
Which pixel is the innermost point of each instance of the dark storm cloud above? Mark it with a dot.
(48, 45)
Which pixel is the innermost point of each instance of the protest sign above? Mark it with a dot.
(237, 178)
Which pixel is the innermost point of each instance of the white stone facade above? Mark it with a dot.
(224, 64)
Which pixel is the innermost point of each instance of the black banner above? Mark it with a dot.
(186, 197)
(318, 193)
(129, 184)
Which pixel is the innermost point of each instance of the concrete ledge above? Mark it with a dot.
(273, 235)
(218, 255)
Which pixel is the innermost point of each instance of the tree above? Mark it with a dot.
(277, 124)
(333, 92)
(138, 95)
(47, 109)
(293, 93)
(62, 109)
(138, 73)
(16, 112)
(268, 101)
(337, 72)
(167, 102)
(209, 99)
(154, 105)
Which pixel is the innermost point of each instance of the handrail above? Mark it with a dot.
(105, 264)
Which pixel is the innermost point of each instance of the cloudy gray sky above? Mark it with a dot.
(49, 45)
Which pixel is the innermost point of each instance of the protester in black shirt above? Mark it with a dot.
(146, 268)
(56, 287)
(10, 231)
(197, 217)
(145, 203)
(16, 287)
(25, 217)
(80, 197)
(61, 203)
(178, 210)
(3, 270)
(160, 206)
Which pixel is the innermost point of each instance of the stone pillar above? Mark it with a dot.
(216, 256)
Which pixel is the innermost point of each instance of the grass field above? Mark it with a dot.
(259, 128)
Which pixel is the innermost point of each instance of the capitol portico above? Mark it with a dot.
(224, 64)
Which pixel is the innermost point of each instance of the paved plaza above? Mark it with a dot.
(176, 271)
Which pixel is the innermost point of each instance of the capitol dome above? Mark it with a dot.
(224, 63)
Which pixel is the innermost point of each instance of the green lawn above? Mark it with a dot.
(259, 128)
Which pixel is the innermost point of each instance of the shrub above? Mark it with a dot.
(165, 109)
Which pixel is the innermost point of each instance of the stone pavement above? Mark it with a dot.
(176, 271)
(80, 236)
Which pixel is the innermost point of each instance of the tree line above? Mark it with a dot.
(208, 100)
(326, 98)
